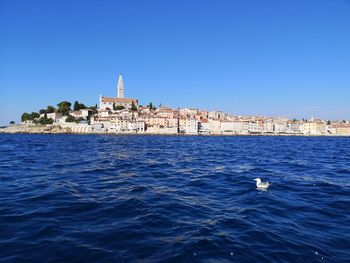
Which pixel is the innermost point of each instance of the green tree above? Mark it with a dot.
(26, 117)
(93, 107)
(42, 111)
(12, 122)
(79, 119)
(133, 106)
(34, 115)
(76, 106)
(151, 106)
(50, 109)
(328, 122)
(114, 108)
(82, 106)
(70, 118)
(64, 107)
(44, 121)
(120, 107)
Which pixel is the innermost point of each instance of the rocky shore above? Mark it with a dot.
(36, 129)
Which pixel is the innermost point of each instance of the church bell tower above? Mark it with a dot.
(120, 86)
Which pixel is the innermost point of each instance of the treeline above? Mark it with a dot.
(64, 107)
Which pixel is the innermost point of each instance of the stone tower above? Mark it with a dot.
(120, 86)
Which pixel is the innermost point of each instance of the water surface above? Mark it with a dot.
(87, 198)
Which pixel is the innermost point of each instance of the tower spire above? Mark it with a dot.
(120, 86)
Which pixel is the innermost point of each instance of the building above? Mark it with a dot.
(204, 126)
(217, 115)
(215, 126)
(231, 127)
(83, 113)
(55, 116)
(120, 87)
(111, 103)
(108, 103)
(341, 129)
(313, 128)
(188, 125)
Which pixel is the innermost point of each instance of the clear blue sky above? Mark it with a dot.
(281, 58)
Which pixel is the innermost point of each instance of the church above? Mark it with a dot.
(107, 103)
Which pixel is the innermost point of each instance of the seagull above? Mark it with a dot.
(261, 185)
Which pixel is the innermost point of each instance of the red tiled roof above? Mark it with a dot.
(118, 100)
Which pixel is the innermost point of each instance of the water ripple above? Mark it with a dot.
(70, 198)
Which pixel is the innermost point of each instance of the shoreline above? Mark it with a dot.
(54, 129)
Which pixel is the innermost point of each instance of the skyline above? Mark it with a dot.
(275, 59)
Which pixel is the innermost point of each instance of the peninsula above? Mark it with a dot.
(120, 115)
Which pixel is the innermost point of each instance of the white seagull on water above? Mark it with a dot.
(261, 185)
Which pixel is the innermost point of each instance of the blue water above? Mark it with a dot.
(82, 198)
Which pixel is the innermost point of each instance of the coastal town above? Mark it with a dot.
(120, 115)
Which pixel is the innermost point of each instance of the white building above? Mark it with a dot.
(55, 116)
(231, 127)
(280, 127)
(204, 127)
(313, 128)
(188, 126)
(217, 115)
(268, 126)
(136, 126)
(253, 127)
(215, 126)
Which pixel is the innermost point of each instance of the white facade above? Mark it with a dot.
(189, 126)
(231, 127)
(120, 86)
(204, 127)
(280, 127)
(253, 127)
(215, 126)
(55, 116)
(136, 126)
(217, 115)
(269, 126)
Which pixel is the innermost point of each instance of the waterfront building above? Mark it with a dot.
(215, 126)
(203, 126)
(188, 125)
(313, 128)
(341, 129)
(231, 127)
(292, 127)
(280, 127)
(269, 126)
(136, 126)
(253, 127)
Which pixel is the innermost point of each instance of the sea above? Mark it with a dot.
(119, 198)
